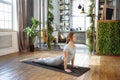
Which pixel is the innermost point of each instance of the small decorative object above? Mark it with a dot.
(79, 7)
(79, 28)
(83, 9)
(44, 33)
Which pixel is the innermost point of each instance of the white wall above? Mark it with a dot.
(14, 43)
(79, 19)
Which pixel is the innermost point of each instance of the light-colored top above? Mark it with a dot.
(71, 51)
(59, 59)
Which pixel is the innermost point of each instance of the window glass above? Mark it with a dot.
(6, 14)
(10, 1)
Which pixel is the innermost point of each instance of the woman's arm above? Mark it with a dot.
(73, 61)
(65, 59)
(65, 62)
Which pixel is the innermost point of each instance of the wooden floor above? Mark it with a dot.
(102, 67)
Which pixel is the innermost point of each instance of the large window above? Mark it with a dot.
(6, 13)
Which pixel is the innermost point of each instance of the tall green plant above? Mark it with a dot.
(50, 23)
(31, 30)
(90, 32)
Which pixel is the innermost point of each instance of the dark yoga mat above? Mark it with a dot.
(75, 71)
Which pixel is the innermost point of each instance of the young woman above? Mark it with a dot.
(69, 55)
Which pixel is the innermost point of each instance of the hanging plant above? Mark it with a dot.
(49, 24)
(91, 30)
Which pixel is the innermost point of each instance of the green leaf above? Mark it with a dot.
(31, 30)
(50, 23)
(109, 38)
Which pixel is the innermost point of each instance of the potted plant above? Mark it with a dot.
(32, 33)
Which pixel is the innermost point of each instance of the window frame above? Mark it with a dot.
(11, 4)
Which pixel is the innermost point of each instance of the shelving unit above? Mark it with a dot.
(64, 6)
(103, 4)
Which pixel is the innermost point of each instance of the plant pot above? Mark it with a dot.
(32, 48)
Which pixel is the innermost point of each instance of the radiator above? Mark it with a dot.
(8, 43)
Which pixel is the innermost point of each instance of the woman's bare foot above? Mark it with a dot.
(33, 61)
(68, 70)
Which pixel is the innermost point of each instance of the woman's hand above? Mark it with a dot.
(68, 70)
(75, 66)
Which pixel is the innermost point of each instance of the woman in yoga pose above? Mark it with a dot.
(69, 55)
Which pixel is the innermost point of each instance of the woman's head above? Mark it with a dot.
(71, 37)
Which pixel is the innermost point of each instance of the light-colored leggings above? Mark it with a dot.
(50, 60)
